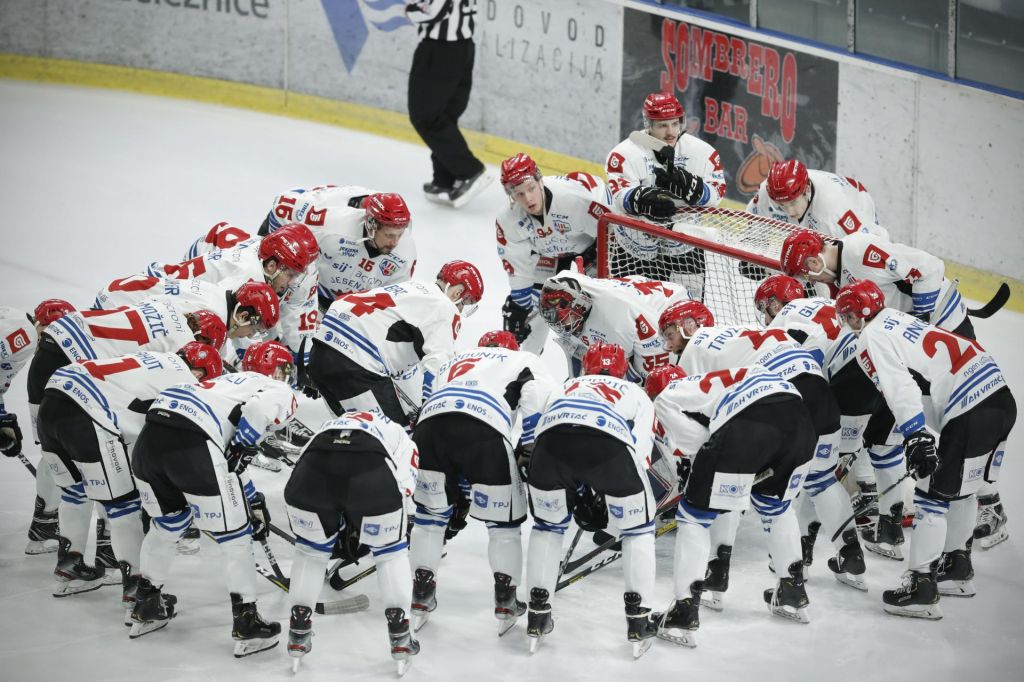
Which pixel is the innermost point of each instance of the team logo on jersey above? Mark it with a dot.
(615, 510)
(561, 226)
(371, 528)
(849, 222)
(18, 340)
(480, 499)
(456, 326)
(596, 210)
(643, 328)
(499, 234)
(874, 257)
(794, 480)
(388, 267)
(869, 367)
(615, 162)
(461, 367)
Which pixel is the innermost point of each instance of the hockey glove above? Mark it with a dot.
(590, 510)
(259, 517)
(922, 459)
(683, 467)
(239, 456)
(523, 454)
(682, 183)
(458, 520)
(650, 201)
(10, 434)
(666, 155)
(347, 547)
(515, 319)
(303, 381)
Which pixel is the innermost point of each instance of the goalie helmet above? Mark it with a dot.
(564, 305)
(386, 210)
(294, 246)
(266, 357)
(605, 358)
(677, 313)
(51, 310)
(262, 300)
(787, 180)
(499, 339)
(798, 247)
(862, 298)
(203, 357)
(207, 327)
(782, 287)
(660, 377)
(516, 169)
(661, 106)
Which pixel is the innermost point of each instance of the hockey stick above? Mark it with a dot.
(568, 555)
(359, 602)
(28, 464)
(868, 507)
(615, 556)
(993, 306)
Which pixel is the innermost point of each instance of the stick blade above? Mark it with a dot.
(993, 306)
(359, 602)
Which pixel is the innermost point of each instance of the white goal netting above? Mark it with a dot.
(720, 254)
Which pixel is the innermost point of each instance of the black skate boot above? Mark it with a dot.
(955, 576)
(789, 598)
(74, 576)
(641, 624)
(153, 609)
(402, 644)
(105, 554)
(251, 633)
(679, 625)
(716, 580)
(507, 608)
(188, 543)
(866, 497)
(887, 539)
(807, 544)
(129, 586)
(917, 597)
(538, 618)
(424, 597)
(990, 528)
(43, 533)
(848, 565)
(300, 634)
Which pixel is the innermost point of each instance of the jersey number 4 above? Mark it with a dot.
(364, 304)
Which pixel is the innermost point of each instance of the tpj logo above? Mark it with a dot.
(348, 20)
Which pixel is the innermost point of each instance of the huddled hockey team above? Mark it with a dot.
(150, 405)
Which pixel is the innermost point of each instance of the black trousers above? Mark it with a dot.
(339, 378)
(439, 85)
(460, 445)
(47, 360)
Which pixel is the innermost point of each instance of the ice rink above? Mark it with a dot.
(96, 184)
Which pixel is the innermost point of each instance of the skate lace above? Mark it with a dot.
(987, 515)
(906, 583)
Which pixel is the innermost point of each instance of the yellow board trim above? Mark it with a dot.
(974, 284)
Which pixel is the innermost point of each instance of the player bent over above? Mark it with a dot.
(597, 430)
(350, 487)
(973, 412)
(464, 437)
(190, 460)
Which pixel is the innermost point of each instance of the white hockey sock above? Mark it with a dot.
(158, 553)
(833, 507)
(960, 522)
(783, 540)
(805, 512)
(723, 530)
(889, 466)
(862, 469)
(638, 564)
(395, 579)
(126, 537)
(426, 542)
(693, 542)
(46, 487)
(74, 517)
(929, 532)
(988, 489)
(307, 577)
(542, 559)
(240, 567)
(505, 551)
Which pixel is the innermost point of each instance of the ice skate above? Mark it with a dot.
(153, 609)
(955, 576)
(887, 538)
(789, 598)
(188, 543)
(129, 587)
(848, 564)
(807, 543)
(679, 625)
(866, 497)
(43, 533)
(251, 633)
(105, 554)
(538, 618)
(402, 644)
(716, 580)
(300, 634)
(262, 461)
(916, 597)
(73, 575)
(641, 624)
(463, 191)
(507, 608)
(990, 528)
(424, 597)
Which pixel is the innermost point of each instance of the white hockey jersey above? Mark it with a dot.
(689, 410)
(240, 408)
(913, 281)
(629, 165)
(839, 206)
(960, 372)
(528, 249)
(832, 345)
(402, 455)
(392, 329)
(494, 385)
(715, 348)
(615, 406)
(314, 206)
(17, 344)
(116, 392)
(223, 235)
(189, 295)
(157, 326)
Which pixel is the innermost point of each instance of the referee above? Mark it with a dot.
(439, 85)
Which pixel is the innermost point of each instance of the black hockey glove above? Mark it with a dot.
(239, 456)
(347, 547)
(259, 517)
(523, 454)
(303, 381)
(10, 434)
(590, 510)
(650, 201)
(459, 517)
(683, 467)
(515, 319)
(922, 459)
(666, 155)
(682, 183)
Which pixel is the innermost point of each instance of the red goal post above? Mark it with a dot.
(740, 250)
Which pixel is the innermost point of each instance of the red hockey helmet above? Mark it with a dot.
(266, 357)
(386, 210)
(516, 169)
(499, 339)
(782, 287)
(564, 305)
(263, 300)
(51, 310)
(862, 298)
(293, 246)
(203, 357)
(605, 358)
(661, 377)
(679, 312)
(661, 106)
(799, 245)
(787, 180)
(464, 273)
(207, 327)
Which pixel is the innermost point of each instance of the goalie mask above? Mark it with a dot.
(564, 305)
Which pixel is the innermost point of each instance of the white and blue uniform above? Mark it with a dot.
(158, 326)
(223, 235)
(17, 343)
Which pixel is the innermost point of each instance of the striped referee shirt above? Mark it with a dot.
(447, 20)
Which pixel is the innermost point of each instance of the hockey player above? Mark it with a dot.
(365, 237)
(710, 348)
(744, 436)
(90, 417)
(189, 462)
(371, 339)
(972, 412)
(464, 434)
(830, 204)
(597, 430)
(350, 487)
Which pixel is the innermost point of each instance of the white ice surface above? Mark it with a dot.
(94, 184)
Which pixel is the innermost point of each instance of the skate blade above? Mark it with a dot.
(68, 588)
(478, 187)
(893, 552)
(110, 578)
(854, 581)
(419, 619)
(296, 662)
(505, 624)
(985, 543)
(924, 611)
(261, 461)
(687, 638)
(789, 613)
(441, 198)
(402, 666)
(957, 588)
(140, 629)
(535, 642)
(640, 648)
(713, 600)
(248, 647)
(40, 547)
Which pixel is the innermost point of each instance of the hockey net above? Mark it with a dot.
(720, 254)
